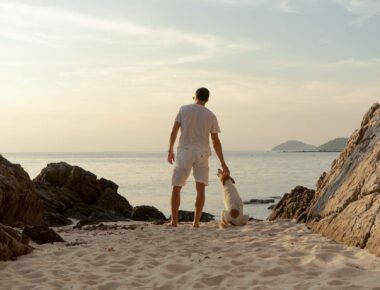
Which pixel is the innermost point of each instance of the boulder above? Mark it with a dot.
(42, 235)
(19, 202)
(293, 205)
(188, 216)
(346, 204)
(147, 213)
(12, 244)
(72, 192)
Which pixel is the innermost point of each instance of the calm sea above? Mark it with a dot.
(144, 178)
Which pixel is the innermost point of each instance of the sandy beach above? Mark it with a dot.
(131, 255)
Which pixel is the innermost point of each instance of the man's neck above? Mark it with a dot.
(198, 102)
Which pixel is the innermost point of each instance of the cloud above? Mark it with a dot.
(282, 5)
(364, 9)
(57, 27)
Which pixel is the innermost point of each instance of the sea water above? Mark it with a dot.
(144, 178)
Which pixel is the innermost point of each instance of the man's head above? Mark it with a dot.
(202, 94)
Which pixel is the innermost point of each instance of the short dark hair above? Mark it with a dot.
(202, 94)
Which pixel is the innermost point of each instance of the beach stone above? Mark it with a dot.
(259, 201)
(72, 192)
(147, 213)
(188, 216)
(19, 202)
(346, 204)
(42, 235)
(12, 244)
(293, 205)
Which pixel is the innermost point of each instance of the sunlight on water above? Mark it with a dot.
(144, 178)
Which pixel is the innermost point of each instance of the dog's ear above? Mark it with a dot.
(233, 180)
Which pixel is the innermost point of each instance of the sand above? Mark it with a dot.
(262, 255)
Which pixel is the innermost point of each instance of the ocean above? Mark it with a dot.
(144, 178)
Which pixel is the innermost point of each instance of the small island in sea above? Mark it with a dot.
(335, 145)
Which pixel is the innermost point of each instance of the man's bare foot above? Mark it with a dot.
(195, 225)
(171, 224)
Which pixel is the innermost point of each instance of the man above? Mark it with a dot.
(196, 123)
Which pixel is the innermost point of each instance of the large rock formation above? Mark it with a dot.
(72, 192)
(19, 202)
(12, 244)
(346, 205)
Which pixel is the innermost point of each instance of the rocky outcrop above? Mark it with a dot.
(72, 192)
(188, 216)
(19, 202)
(293, 205)
(346, 205)
(147, 213)
(12, 244)
(42, 235)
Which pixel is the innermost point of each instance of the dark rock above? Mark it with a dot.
(188, 216)
(293, 204)
(272, 206)
(71, 192)
(259, 201)
(254, 219)
(147, 213)
(19, 202)
(42, 235)
(12, 244)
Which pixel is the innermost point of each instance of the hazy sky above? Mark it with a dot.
(91, 75)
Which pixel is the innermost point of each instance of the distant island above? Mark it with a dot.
(294, 145)
(335, 145)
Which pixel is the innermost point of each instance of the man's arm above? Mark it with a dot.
(219, 152)
(173, 137)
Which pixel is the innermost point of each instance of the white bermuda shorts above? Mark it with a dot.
(187, 160)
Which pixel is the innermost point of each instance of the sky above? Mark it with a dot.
(92, 75)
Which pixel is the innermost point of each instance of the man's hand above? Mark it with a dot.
(171, 156)
(226, 170)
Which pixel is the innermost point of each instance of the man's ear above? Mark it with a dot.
(233, 180)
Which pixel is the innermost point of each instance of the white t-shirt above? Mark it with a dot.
(197, 122)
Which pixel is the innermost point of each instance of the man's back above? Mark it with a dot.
(197, 122)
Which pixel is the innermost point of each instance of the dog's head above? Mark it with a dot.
(223, 178)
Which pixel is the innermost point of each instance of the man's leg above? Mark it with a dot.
(175, 202)
(199, 203)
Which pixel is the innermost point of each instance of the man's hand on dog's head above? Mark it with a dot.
(226, 170)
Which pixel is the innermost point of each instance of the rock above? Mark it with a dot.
(272, 206)
(346, 207)
(259, 201)
(19, 202)
(42, 235)
(188, 216)
(346, 204)
(147, 213)
(12, 244)
(72, 192)
(293, 205)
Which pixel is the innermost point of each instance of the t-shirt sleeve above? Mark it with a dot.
(178, 117)
(215, 126)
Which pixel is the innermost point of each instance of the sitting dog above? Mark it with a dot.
(233, 213)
